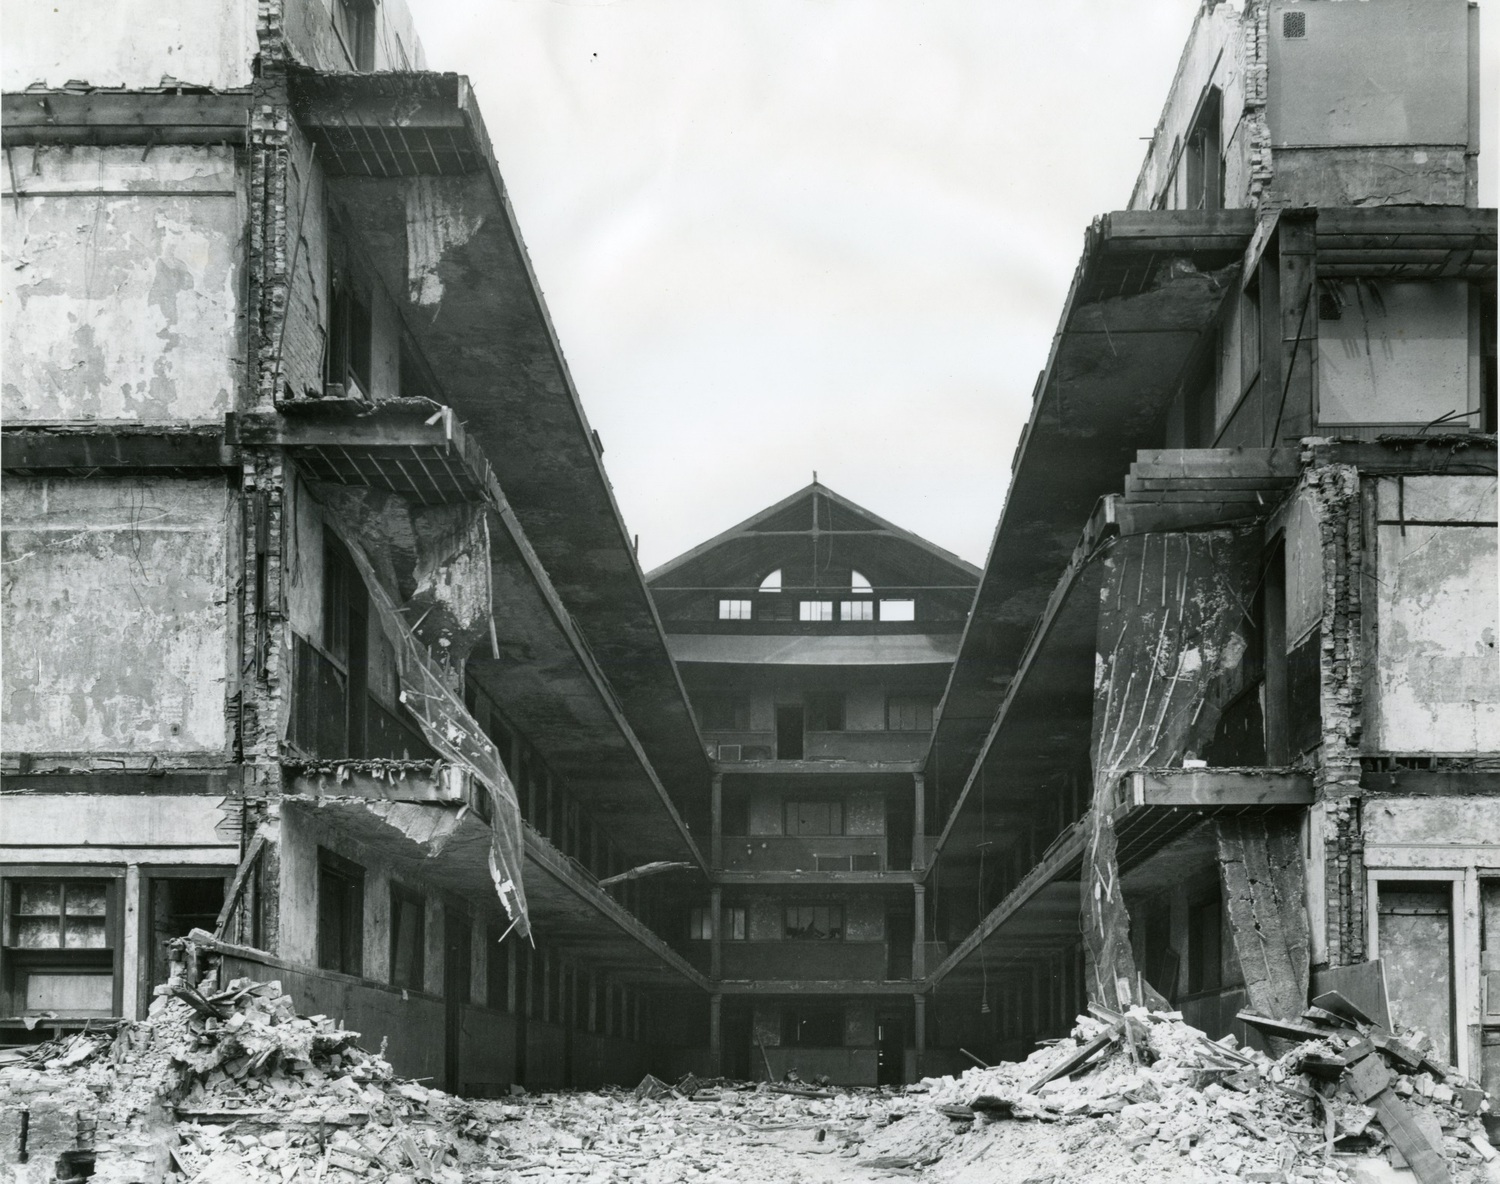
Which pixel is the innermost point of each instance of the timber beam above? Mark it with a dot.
(123, 117)
(1216, 787)
(115, 449)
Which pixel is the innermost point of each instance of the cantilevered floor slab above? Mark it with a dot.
(447, 845)
(1155, 806)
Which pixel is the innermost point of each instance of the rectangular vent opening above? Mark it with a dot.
(1293, 24)
(729, 752)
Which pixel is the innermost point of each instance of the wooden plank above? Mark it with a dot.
(1078, 1059)
(1147, 482)
(1219, 787)
(1425, 1161)
(1283, 1029)
(1169, 494)
(1402, 220)
(1218, 462)
(237, 885)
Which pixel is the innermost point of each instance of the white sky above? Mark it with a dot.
(779, 236)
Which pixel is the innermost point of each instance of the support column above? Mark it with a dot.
(716, 836)
(715, 1034)
(919, 1030)
(919, 932)
(715, 934)
(919, 823)
(137, 953)
(1297, 300)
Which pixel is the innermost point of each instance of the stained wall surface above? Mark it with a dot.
(136, 44)
(1437, 682)
(122, 283)
(116, 615)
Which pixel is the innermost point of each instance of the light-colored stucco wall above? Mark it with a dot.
(1436, 678)
(122, 288)
(116, 615)
(137, 44)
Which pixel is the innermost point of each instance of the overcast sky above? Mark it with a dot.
(779, 236)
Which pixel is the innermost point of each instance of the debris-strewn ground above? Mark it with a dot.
(236, 1087)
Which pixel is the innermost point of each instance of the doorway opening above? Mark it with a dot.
(789, 732)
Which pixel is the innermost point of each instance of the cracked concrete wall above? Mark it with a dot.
(135, 44)
(117, 623)
(1434, 686)
(123, 274)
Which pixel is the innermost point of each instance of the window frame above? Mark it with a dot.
(835, 929)
(333, 867)
(815, 611)
(856, 610)
(918, 705)
(17, 963)
(406, 900)
(700, 923)
(734, 922)
(789, 805)
(736, 610)
(888, 601)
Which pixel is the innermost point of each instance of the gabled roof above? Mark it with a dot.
(790, 516)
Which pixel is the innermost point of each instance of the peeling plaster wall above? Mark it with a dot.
(1404, 831)
(122, 284)
(116, 615)
(1437, 679)
(1222, 51)
(136, 44)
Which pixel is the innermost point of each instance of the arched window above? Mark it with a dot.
(859, 585)
(772, 583)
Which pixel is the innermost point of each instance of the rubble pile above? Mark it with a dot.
(235, 1086)
(1145, 1096)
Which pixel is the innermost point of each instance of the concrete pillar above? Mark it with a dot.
(715, 1034)
(137, 954)
(919, 822)
(715, 933)
(919, 1029)
(716, 836)
(919, 932)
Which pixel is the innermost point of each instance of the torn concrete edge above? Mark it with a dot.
(452, 732)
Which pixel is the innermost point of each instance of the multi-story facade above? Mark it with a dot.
(1232, 663)
(814, 640)
(322, 631)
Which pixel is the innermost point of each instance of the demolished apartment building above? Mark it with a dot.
(1226, 716)
(322, 630)
(322, 626)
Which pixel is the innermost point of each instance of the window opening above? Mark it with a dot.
(734, 610)
(724, 713)
(815, 922)
(813, 1027)
(858, 585)
(815, 610)
(59, 947)
(898, 610)
(408, 937)
(341, 913)
(815, 817)
(357, 28)
(908, 714)
(1204, 163)
(772, 583)
(179, 905)
(857, 610)
(789, 732)
(825, 711)
(700, 925)
(735, 927)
